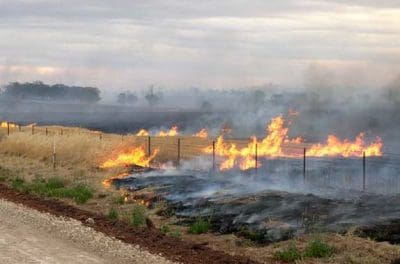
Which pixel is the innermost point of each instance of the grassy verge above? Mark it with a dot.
(200, 226)
(316, 248)
(54, 187)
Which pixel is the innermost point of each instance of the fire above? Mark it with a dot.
(142, 133)
(271, 146)
(134, 156)
(345, 148)
(203, 133)
(7, 124)
(107, 182)
(171, 133)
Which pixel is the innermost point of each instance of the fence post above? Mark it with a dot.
(8, 128)
(149, 147)
(213, 155)
(54, 153)
(33, 129)
(304, 165)
(46, 131)
(179, 152)
(61, 132)
(364, 171)
(100, 136)
(255, 160)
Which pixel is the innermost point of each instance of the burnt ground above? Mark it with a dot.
(149, 238)
(255, 210)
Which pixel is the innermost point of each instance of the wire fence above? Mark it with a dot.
(369, 174)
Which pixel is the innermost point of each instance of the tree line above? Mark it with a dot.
(59, 92)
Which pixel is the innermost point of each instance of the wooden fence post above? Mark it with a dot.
(54, 153)
(213, 155)
(149, 147)
(179, 152)
(304, 165)
(255, 159)
(364, 171)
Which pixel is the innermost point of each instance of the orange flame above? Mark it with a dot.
(277, 136)
(171, 133)
(5, 124)
(345, 148)
(203, 133)
(142, 133)
(135, 156)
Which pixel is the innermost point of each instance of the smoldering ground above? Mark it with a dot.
(276, 202)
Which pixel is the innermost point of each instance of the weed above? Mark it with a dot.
(113, 214)
(290, 254)
(18, 183)
(175, 233)
(165, 229)
(119, 200)
(200, 226)
(80, 193)
(318, 249)
(138, 216)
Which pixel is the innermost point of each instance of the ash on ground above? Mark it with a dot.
(264, 208)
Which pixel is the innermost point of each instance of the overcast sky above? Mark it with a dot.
(130, 44)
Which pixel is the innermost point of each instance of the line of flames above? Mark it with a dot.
(275, 144)
(272, 145)
(6, 124)
(174, 131)
(127, 157)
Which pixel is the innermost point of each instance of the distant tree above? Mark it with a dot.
(153, 98)
(41, 91)
(127, 98)
(258, 98)
(206, 106)
(392, 91)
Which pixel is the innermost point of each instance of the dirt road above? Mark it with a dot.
(29, 236)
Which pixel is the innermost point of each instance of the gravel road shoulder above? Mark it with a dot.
(30, 236)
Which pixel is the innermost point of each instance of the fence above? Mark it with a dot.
(370, 174)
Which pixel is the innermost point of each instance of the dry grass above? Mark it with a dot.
(88, 149)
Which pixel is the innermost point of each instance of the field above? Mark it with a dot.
(79, 154)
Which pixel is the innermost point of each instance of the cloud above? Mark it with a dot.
(205, 43)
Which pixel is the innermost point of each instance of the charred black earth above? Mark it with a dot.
(265, 209)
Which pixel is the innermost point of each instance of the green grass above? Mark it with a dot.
(291, 254)
(18, 183)
(138, 216)
(79, 193)
(318, 249)
(119, 200)
(165, 229)
(113, 214)
(200, 226)
(54, 187)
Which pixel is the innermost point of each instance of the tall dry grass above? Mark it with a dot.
(84, 148)
(73, 147)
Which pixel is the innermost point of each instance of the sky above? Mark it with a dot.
(128, 45)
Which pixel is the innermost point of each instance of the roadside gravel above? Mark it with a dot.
(30, 236)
